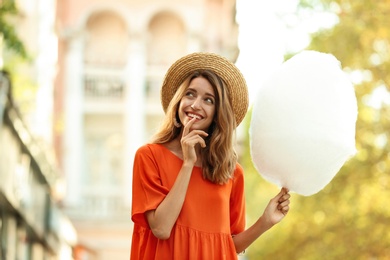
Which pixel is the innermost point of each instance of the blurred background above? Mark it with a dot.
(79, 93)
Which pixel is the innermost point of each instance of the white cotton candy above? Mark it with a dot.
(303, 123)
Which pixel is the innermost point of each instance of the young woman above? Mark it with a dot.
(188, 188)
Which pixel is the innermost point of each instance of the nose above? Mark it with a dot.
(196, 104)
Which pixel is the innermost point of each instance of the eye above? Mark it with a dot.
(190, 94)
(209, 100)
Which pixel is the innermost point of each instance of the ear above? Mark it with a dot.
(176, 121)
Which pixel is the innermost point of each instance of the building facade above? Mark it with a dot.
(32, 226)
(113, 56)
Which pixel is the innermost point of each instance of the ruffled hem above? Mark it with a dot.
(184, 243)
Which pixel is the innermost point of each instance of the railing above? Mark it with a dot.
(100, 208)
(98, 86)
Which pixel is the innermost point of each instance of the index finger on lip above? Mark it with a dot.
(187, 127)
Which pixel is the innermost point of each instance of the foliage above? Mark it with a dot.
(7, 31)
(17, 60)
(348, 219)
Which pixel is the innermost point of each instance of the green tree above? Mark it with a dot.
(349, 218)
(17, 60)
(7, 32)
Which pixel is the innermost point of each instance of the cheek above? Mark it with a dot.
(212, 113)
(180, 110)
(184, 103)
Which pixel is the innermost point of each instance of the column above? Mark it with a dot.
(73, 119)
(135, 78)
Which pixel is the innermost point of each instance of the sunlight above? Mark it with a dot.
(378, 98)
(270, 29)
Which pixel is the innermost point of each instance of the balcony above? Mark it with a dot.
(104, 92)
(100, 207)
(103, 87)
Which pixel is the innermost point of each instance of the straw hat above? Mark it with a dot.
(225, 69)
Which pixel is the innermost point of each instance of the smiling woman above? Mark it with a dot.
(205, 98)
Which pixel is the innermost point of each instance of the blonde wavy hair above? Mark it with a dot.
(219, 157)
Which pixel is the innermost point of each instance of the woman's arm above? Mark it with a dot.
(163, 218)
(275, 211)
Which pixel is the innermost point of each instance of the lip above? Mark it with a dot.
(192, 115)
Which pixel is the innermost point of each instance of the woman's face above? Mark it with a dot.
(199, 102)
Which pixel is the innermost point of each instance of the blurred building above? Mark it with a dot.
(112, 58)
(32, 226)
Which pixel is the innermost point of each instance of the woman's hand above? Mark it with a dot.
(277, 208)
(189, 140)
(275, 211)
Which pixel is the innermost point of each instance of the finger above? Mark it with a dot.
(284, 197)
(195, 139)
(280, 194)
(187, 127)
(283, 209)
(284, 203)
(198, 132)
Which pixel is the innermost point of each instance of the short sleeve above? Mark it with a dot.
(237, 202)
(148, 191)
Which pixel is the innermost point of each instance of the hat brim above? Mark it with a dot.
(222, 67)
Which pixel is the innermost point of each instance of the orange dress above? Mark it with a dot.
(211, 213)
